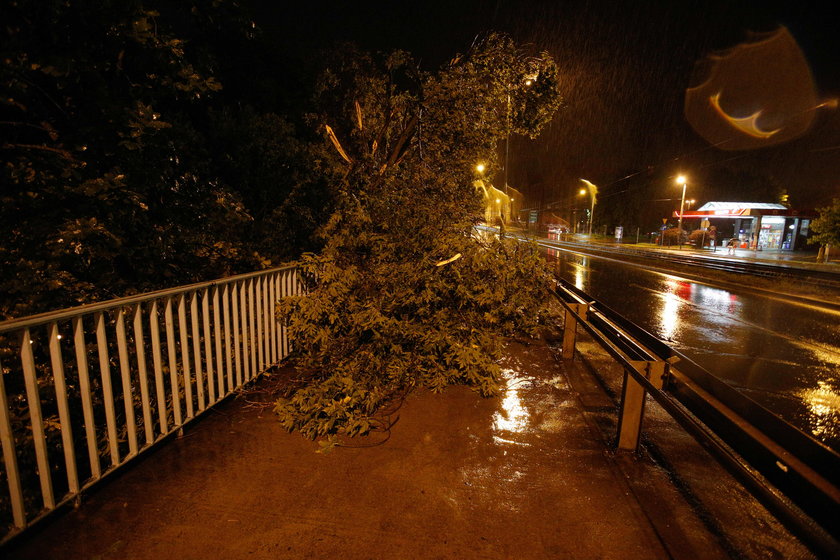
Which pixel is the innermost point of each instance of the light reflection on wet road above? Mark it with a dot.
(783, 355)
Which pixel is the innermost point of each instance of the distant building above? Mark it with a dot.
(498, 205)
(778, 226)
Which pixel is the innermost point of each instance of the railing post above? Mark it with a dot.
(7, 439)
(570, 328)
(633, 395)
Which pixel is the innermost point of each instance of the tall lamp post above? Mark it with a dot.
(681, 179)
(507, 139)
(529, 80)
(593, 192)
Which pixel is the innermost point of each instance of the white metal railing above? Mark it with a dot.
(158, 360)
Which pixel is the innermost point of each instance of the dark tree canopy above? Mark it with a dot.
(826, 227)
(126, 166)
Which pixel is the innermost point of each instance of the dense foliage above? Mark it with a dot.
(405, 293)
(826, 227)
(701, 237)
(124, 166)
(673, 236)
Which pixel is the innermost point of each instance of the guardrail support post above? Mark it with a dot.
(570, 328)
(633, 394)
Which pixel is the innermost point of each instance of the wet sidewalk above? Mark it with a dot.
(528, 475)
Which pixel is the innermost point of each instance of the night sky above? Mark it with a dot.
(625, 67)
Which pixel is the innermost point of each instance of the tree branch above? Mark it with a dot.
(63, 153)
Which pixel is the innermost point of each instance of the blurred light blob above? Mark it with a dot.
(754, 95)
(747, 125)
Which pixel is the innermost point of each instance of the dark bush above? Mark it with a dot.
(700, 238)
(671, 236)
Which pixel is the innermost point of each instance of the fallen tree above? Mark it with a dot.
(405, 293)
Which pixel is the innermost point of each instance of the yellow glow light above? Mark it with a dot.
(582, 191)
(681, 179)
(480, 168)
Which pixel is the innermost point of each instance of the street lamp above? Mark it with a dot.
(681, 179)
(593, 192)
(480, 168)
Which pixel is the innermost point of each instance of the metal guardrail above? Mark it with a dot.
(161, 360)
(794, 475)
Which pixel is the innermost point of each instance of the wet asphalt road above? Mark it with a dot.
(783, 354)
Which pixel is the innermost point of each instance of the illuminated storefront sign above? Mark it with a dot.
(779, 227)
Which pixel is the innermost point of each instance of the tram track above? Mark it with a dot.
(820, 278)
(796, 284)
(801, 285)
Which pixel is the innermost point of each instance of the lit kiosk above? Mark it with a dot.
(778, 227)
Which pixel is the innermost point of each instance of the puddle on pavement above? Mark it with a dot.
(512, 417)
(512, 447)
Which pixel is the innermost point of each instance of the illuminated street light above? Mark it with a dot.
(480, 168)
(683, 180)
(593, 192)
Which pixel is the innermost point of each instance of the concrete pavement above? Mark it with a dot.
(529, 475)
